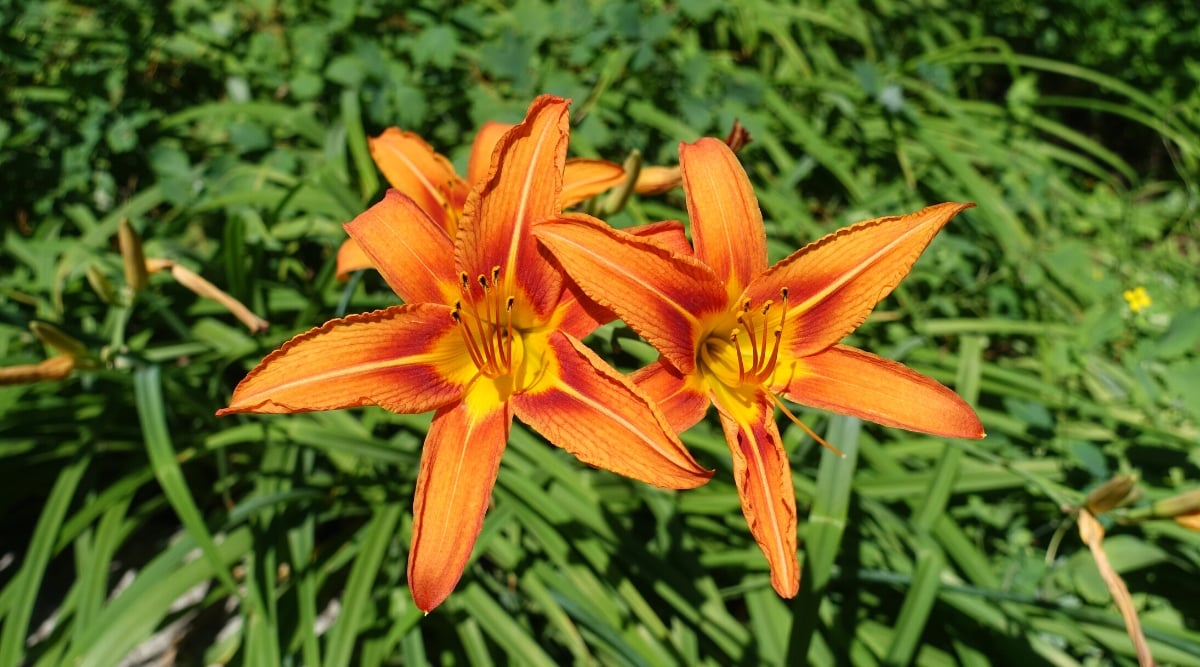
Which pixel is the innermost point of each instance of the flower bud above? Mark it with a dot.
(57, 339)
(1175, 506)
(1117, 492)
(132, 255)
(54, 368)
(100, 283)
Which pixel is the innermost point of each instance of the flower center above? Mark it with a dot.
(485, 318)
(746, 349)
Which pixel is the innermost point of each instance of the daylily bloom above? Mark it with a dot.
(737, 334)
(413, 168)
(488, 331)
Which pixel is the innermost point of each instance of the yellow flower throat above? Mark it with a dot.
(744, 347)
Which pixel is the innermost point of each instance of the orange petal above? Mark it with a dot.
(657, 180)
(578, 314)
(458, 470)
(583, 179)
(764, 480)
(590, 410)
(849, 381)
(727, 227)
(405, 359)
(835, 282)
(412, 166)
(480, 161)
(668, 233)
(581, 315)
(350, 258)
(413, 252)
(661, 295)
(683, 399)
(521, 190)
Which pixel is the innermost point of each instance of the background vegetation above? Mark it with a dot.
(230, 135)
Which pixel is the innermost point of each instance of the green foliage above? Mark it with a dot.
(231, 136)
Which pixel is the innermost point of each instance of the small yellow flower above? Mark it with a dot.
(1137, 298)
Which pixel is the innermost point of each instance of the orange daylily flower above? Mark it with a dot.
(737, 334)
(488, 331)
(413, 168)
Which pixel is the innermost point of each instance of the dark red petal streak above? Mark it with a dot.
(590, 410)
(412, 252)
(849, 381)
(727, 226)
(403, 359)
(458, 470)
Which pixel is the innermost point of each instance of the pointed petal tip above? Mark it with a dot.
(428, 598)
(787, 588)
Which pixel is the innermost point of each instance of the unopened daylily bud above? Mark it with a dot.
(132, 256)
(100, 283)
(57, 339)
(1175, 506)
(1191, 520)
(196, 283)
(54, 368)
(655, 180)
(616, 199)
(1117, 492)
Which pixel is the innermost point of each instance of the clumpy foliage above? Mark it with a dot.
(231, 137)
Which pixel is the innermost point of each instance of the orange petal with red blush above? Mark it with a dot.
(661, 295)
(411, 166)
(835, 282)
(412, 252)
(682, 398)
(764, 480)
(405, 359)
(595, 413)
(727, 226)
(459, 464)
(850, 381)
(522, 189)
(580, 315)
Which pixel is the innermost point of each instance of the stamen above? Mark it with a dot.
(737, 351)
(764, 338)
(769, 367)
(765, 309)
(468, 336)
(488, 330)
(749, 326)
(802, 425)
(508, 330)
